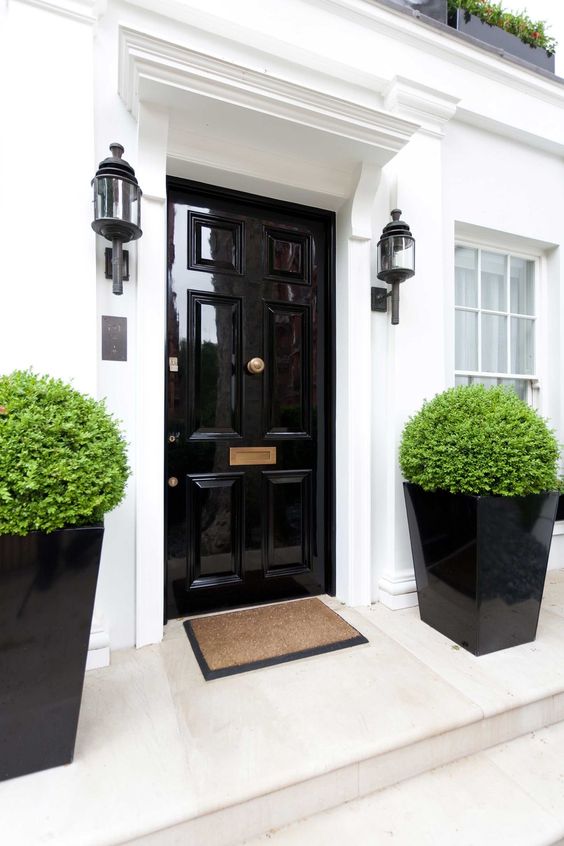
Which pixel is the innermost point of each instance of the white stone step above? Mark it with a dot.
(513, 793)
(165, 758)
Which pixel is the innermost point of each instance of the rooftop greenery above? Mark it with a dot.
(519, 24)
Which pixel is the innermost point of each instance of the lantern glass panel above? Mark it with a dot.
(396, 253)
(117, 199)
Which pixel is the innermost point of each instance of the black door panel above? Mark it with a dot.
(247, 452)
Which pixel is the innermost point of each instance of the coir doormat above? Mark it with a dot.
(238, 641)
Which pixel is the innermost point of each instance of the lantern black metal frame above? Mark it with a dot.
(396, 263)
(117, 209)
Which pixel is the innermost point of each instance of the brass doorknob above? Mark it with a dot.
(255, 365)
(172, 481)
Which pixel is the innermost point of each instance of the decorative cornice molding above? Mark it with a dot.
(426, 106)
(427, 37)
(84, 11)
(436, 39)
(531, 139)
(433, 37)
(145, 60)
(418, 31)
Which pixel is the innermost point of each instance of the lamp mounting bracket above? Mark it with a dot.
(379, 298)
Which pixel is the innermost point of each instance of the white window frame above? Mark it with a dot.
(508, 250)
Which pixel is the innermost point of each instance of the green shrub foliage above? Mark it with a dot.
(478, 440)
(62, 456)
(520, 24)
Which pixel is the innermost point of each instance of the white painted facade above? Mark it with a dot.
(346, 105)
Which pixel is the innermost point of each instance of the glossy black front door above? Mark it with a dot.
(249, 437)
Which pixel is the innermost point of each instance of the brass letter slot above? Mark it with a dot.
(252, 455)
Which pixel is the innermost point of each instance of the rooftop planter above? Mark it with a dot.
(516, 35)
(436, 9)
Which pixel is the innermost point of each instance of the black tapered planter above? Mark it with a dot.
(47, 590)
(495, 36)
(480, 564)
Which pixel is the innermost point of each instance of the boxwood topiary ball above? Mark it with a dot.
(62, 456)
(477, 440)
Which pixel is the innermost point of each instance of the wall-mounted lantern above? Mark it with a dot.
(396, 263)
(117, 208)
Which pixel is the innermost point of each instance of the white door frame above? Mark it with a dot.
(154, 76)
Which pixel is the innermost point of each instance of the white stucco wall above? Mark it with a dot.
(501, 185)
(489, 154)
(47, 297)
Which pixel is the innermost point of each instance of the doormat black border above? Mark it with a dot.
(234, 670)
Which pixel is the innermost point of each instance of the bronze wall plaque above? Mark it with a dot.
(114, 338)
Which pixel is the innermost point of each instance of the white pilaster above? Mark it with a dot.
(151, 337)
(415, 351)
(353, 424)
